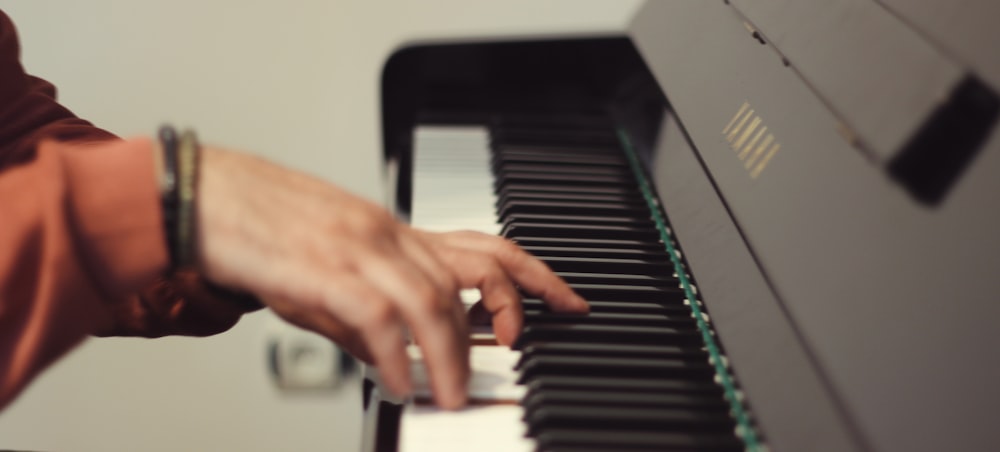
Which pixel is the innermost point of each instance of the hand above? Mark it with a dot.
(333, 263)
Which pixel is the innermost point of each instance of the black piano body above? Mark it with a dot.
(828, 169)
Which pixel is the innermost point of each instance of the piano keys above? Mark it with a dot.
(636, 372)
(821, 201)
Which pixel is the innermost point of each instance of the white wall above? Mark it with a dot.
(293, 80)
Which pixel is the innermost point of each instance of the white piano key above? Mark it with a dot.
(470, 297)
(452, 180)
(453, 190)
(490, 428)
(493, 375)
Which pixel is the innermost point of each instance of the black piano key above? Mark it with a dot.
(632, 374)
(594, 366)
(555, 149)
(624, 253)
(513, 189)
(575, 278)
(604, 232)
(533, 334)
(528, 157)
(508, 136)
(608, 318)
(571, 208)
(593, 139)
(672, 295)
(626, 419)
(580, 242)
(611, 350)
(623, 383)
(629, 201)
(543, 152)
(574, 440)
(608, 265)
(536, 305)
(539, 399)
(544, 169)
(577, 219)
(513, 178)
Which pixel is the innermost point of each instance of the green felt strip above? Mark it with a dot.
(744, 427)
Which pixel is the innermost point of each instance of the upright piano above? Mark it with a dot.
(784, 213)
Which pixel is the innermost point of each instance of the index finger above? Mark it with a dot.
(524, 269)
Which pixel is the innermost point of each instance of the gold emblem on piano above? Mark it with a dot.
(750, 140)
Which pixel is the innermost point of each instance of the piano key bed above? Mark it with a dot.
(643, 371)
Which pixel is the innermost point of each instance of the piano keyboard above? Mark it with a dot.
(641, 371)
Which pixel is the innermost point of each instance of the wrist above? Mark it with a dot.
(216, 224)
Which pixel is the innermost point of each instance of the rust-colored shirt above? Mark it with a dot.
(81, 234)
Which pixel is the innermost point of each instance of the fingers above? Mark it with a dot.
(525, 270)
(500, 298)
(425, 294)
(348, 310)
(334, 263)
(326, 324)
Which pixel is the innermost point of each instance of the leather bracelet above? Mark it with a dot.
(169, 192)
(188, 159)
(179, 186)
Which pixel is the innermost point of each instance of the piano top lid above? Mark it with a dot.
(882, 77)
(894, 299)
(965, 29)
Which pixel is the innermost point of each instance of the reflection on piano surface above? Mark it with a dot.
(808, 193)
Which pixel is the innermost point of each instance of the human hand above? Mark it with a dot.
(336, 264)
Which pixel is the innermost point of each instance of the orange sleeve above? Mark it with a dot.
(81, 235)
(29, 112)
(81, 248)
(78, 227)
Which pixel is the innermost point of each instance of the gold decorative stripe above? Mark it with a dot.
(746, 149)
(760, 150)
(763, 163)
(751, 139)
(746, 133)
(739, 125)
(743, 108)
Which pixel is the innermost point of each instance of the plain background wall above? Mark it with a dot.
(295, 81)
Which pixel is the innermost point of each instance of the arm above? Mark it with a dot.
(81, 228)
(29, 114)
(71, 263)
(79, 233)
